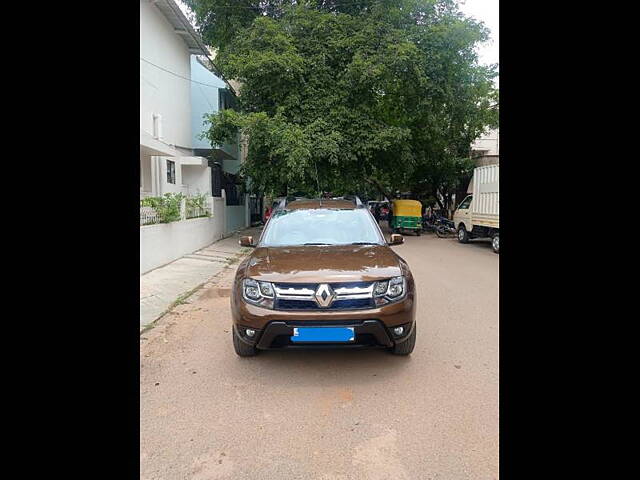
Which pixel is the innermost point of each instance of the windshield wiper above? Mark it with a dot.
(316, 243)
(364, 243)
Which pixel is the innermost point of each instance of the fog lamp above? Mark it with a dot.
(398, 331)
(250, 332)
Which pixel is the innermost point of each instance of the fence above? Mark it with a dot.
(189, 208)
(165, 242)
(148, 216)
(196, 211)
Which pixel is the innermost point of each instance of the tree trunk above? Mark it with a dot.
(461, 191)
(437, 197)
(380, 188)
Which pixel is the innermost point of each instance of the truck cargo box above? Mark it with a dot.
(485, 207)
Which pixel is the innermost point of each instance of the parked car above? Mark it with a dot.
(274, 205)
(379, 209)
(478, 215)
(323, 275)
(383, 209)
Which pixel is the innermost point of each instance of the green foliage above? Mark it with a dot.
(198, 203)
(351, 96)
(167, 207)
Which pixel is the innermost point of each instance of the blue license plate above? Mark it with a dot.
(323, 334)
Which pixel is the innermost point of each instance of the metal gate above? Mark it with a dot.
(255, 208)
(216, 179)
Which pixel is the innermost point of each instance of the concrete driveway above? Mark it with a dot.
(208, 414)
(162, 287)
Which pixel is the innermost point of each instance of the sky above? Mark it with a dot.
(487, 12)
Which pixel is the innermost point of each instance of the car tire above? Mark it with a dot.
(463, 235)
(406, 347)
(418, 232)
(495, 244)
(242, 349)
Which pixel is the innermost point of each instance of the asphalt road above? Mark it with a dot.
(208, 414)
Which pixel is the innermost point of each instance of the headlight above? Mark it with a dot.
(396, 287)
(388, 291)
(257, 293)
(380, 289)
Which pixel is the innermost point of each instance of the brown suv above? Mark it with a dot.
(323, 276)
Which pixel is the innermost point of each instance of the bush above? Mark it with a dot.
(197, 206)
(167, 207)
(197, 201)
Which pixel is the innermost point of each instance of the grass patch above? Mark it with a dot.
(181, 300)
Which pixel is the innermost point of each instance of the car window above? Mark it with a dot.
(466, 202)
(325, 226)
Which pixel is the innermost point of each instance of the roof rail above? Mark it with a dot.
(355, 199)
(286, 200)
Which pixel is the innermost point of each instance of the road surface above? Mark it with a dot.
(208, 414)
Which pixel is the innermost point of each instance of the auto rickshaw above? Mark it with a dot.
(406, 215)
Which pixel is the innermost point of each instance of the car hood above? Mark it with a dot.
(315, 264)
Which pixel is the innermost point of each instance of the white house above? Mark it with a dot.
(486, 149)
(167, 162)
(175, 90)
(209, 93)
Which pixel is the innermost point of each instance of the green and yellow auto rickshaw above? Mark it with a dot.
(406, 215)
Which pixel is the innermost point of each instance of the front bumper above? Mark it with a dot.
(372, 326)
(368, 334)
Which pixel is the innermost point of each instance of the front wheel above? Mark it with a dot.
(463, 235)
(242, 349)
(406, 347)
(495, 243)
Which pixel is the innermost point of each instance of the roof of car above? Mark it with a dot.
(320, 203)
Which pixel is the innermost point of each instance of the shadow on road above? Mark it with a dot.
(327, 367)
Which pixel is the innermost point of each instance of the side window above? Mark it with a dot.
(171, 171)
(465, 203)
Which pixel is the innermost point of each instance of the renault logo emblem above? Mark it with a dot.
(324, 295)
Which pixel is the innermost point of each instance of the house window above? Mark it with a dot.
(171, 171)
(225, 99)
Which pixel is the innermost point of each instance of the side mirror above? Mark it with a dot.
(246, 242)
(396, 239)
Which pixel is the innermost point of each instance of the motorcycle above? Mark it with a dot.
(443, 227)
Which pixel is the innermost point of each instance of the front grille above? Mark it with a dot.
(346, 296)
(312, 305)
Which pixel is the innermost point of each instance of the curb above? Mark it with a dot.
(186, 295)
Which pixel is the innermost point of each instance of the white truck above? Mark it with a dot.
(478, 215)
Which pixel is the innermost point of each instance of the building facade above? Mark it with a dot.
(486, 149)
(166, 47)
(210, 94)
(177, 88)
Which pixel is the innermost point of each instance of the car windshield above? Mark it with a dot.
(321, 227)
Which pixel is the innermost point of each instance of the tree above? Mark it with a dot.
(343, 96)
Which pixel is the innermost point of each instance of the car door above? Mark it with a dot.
(463, 213)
